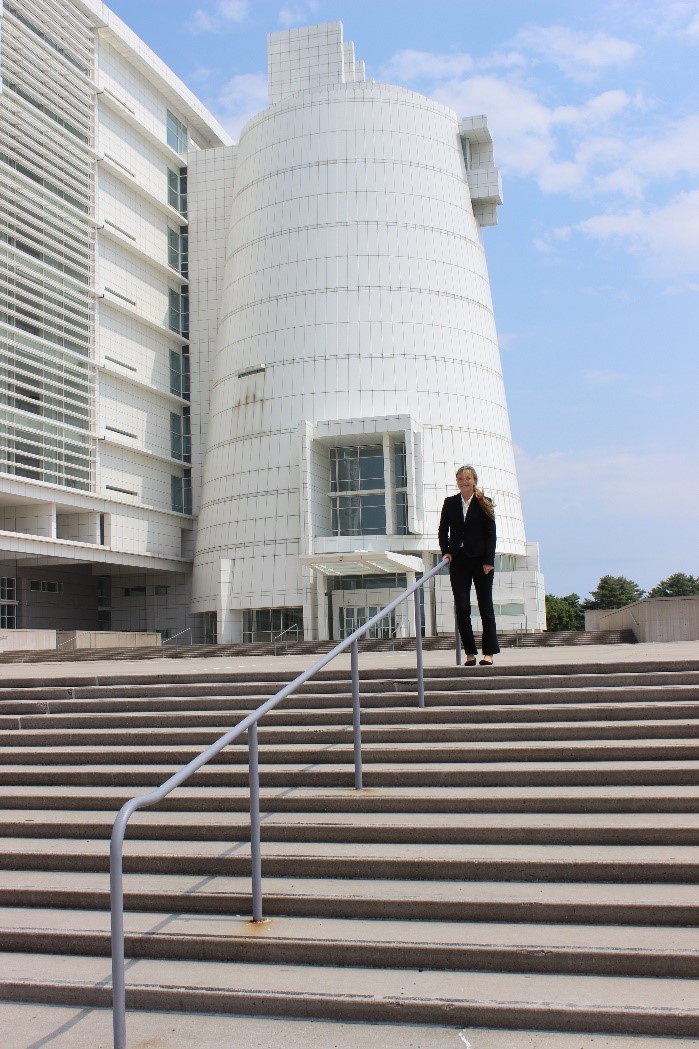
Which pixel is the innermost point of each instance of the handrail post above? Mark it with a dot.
(356, 716)
(116, 892)
(255, 852)
(249, 725)
(418, 651)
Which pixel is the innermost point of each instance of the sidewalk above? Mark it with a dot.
(583, 655)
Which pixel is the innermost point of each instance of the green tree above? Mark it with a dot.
(564, 613)
(679, 584)
(614, 591)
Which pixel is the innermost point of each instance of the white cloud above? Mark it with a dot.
(678, 18)
(407, 67)
(578, 55)
(527, 132)
(619, 479)
(240, 99)
(224, 11)
(297, 13)
(602, 378)
(665, 236)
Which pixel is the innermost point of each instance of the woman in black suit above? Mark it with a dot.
(467, 542)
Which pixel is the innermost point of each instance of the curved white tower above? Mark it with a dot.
(357, 360)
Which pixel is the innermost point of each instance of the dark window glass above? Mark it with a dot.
(401, 513)
(177, 136)
(176, 494)
(400, 466)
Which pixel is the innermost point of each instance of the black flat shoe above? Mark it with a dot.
(470, 662)
(486, 662)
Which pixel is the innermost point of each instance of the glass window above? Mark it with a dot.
(181, 493)
(45, 586)
(178, 312)
(353, 617)
(400, 466)
(177, 189)
(180, 436)
(8, 588)
(176, 494)
(267, 624)
(357, 469)
(175, 435)
(210, 628)
(179, 374)
(401, 513)
(354, 471)
(8, 617)
(177, 250)
(369, 582)
(187, 492)
(177, 136)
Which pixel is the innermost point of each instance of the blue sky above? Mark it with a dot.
(594, 111)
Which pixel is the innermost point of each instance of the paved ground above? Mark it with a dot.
(55, 1027)
(511, 657)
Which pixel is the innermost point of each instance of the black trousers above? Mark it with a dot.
(463, 571)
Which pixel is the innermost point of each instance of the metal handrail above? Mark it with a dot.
(187, 630)
(73, 638)
(294, 626)
(249, 725)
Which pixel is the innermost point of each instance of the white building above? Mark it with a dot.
(95, 411)
(338, 246)
(357, 360)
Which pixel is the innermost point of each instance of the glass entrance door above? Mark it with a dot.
(354, 616)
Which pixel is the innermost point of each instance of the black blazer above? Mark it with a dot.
(476, 534)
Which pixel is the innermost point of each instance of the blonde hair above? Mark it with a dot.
(487, 504)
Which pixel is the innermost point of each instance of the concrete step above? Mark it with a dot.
(345, 993)
(63, 1027)
(668, 728)
(69, 1027)
(376, 776)
(223, 716)
(680, 750)
(351, 827)
(378, 944)
(340, 701)
(337, 682)
(592, 903)
(76, 676)
(426, 799)
(523, 853)
(632, 863)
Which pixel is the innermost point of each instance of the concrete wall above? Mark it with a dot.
(653, 619)
(27, 640)
(71, 639)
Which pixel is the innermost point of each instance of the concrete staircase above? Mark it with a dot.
(443, 642)
(524, 853)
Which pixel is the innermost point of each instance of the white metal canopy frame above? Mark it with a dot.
(249, 725)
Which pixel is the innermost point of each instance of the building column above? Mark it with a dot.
(224, 617)
(309, 602)
(321, 585)
(429, 603)
(409, 606)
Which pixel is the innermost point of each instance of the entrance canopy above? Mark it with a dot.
(363, 562)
